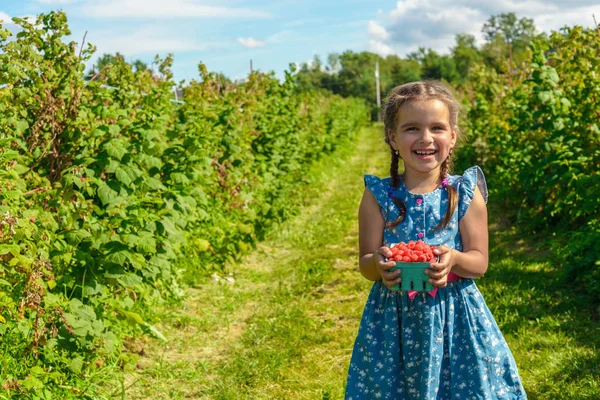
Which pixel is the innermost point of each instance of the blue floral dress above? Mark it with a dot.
(443, 347)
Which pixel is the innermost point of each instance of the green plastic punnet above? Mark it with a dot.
(413, 276)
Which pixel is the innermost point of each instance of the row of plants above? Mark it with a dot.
(112, 196)
(536, 132)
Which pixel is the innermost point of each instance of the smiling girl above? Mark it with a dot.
(443, 344)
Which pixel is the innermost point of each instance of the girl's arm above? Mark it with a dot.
(472, 262)
(370, 235)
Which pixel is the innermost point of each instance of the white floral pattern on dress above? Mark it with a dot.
(443, 347)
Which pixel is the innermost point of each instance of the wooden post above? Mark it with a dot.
(251, 66)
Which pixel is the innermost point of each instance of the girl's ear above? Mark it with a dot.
(392, 139)
(454, 136)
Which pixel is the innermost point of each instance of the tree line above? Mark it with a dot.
(507, 39)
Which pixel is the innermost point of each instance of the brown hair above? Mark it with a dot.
(420, 91)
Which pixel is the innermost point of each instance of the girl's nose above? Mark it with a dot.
(427, 136)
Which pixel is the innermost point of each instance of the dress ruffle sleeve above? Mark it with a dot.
(378, 188)
(472, 177)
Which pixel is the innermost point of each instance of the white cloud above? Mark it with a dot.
(146, 41)
(403, 8)
(163, 9)
(435, 23)
(379, 39)
(251, 43)
(377, 31)
(578, 16)
(14, 28)
(380, 48)
(5, 18)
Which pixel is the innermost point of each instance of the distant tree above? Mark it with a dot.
(357, 74)
(401, 71)
(465, 54)
(139, 65)
(516, 34)
(313, 76)
(333, 63)
(435, 66)
(107, 59)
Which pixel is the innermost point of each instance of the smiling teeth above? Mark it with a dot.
(425, 153)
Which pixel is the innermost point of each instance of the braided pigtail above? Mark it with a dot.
(452, 193)
(395, 183)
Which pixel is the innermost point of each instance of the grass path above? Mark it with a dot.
(284, 327)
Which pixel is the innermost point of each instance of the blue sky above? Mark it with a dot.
(227, 34)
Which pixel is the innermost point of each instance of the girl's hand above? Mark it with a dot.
(438, 271)
(388, 278)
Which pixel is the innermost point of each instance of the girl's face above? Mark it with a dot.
(423, 136)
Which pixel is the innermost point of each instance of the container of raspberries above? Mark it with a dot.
(412, 258)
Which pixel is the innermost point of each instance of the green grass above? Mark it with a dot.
(284, 328)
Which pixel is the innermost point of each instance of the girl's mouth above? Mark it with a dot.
(425, 154)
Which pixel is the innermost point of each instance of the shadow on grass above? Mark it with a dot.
(527, 294)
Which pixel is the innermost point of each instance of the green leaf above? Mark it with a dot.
(118, 257)
(130, 280)
(76, 236)
(156, 333)
(155, 183)
(132, 317)
(21, 126)
(106, 194)
(545, 96)
(123, 176)
(76, 364)
(115, 148)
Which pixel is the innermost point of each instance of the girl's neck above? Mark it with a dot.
(421, 182)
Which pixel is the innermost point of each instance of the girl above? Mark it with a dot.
(442, 344)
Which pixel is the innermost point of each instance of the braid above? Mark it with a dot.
(395, 183)
(452, 194)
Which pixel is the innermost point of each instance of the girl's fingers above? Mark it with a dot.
(439, 282)
(441, 249)
(437, 274)
(384, 265)
(390, 275)
(391, 283)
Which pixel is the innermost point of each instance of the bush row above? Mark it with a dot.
(111, 194)
(536, 132)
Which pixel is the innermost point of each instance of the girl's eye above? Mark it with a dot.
(412, 128)
(438, 127)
